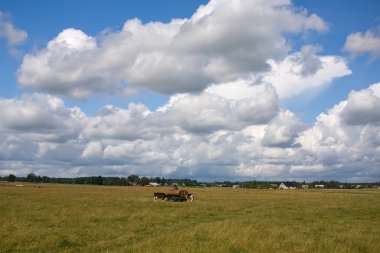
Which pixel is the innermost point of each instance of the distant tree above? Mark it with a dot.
(133, 179)
(144, 181)
(99, 180)
(123, 181)
(11, 178)
(158, 180)
(31, 177)
(45, 179)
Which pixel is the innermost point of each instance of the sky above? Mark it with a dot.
(209, 90)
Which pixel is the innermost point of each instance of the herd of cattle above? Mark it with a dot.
(174, 195)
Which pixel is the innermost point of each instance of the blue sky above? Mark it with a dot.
(353, 16)
(209, 90)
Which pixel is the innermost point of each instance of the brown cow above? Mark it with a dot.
(178, 195)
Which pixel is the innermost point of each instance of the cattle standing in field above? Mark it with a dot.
(177, 195)
(159, 195)
(174, 195)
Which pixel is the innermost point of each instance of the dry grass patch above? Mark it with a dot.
(78, 218)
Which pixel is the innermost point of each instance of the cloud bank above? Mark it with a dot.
(214, 138)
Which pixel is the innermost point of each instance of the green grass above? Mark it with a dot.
(75, 218)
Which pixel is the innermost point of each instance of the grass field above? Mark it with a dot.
(76, 218)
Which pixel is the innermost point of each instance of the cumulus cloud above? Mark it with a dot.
(303, 71)
(209, 111)
(346, 139)
(178, 140)
(223, 41)
(363, 43)
(189, 132)
(300, 72)
(39, 117)
(362, 107)
(283, 130)
(11, 34)
(13, 148)
(116, 123)
(14, 36)
(342, 144)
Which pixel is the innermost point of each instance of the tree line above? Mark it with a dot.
(132, 180)
(136, 180)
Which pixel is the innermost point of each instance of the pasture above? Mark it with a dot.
(82, 218)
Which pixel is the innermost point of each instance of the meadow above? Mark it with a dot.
(82, 218)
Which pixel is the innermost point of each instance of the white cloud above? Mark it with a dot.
(363, 107)
(11, 34)
(296, 74)
(346, 139)
(64, 67)
(40, 117)
(262, 171)
(240, 89)
(363, 43)
(93, 150)
(304, 71)
(14, 36)
(116, 123)
(283, 130)
(13, 148)
(209, 112)
(219, 43)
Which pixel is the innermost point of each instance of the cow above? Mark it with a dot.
(191, 196)
(159, 195)
(174, 195)
(177, 195)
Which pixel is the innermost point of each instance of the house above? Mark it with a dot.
(319, 186)
(287, 186)
(304, 186)
(236, 186)
(375, 186)
(153, 184)
(358, 186)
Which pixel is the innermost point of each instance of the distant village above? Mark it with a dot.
(135, 180)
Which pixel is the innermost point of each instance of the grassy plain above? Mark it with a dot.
(79, 218)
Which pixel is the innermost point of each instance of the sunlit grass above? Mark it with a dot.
(76, 218)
